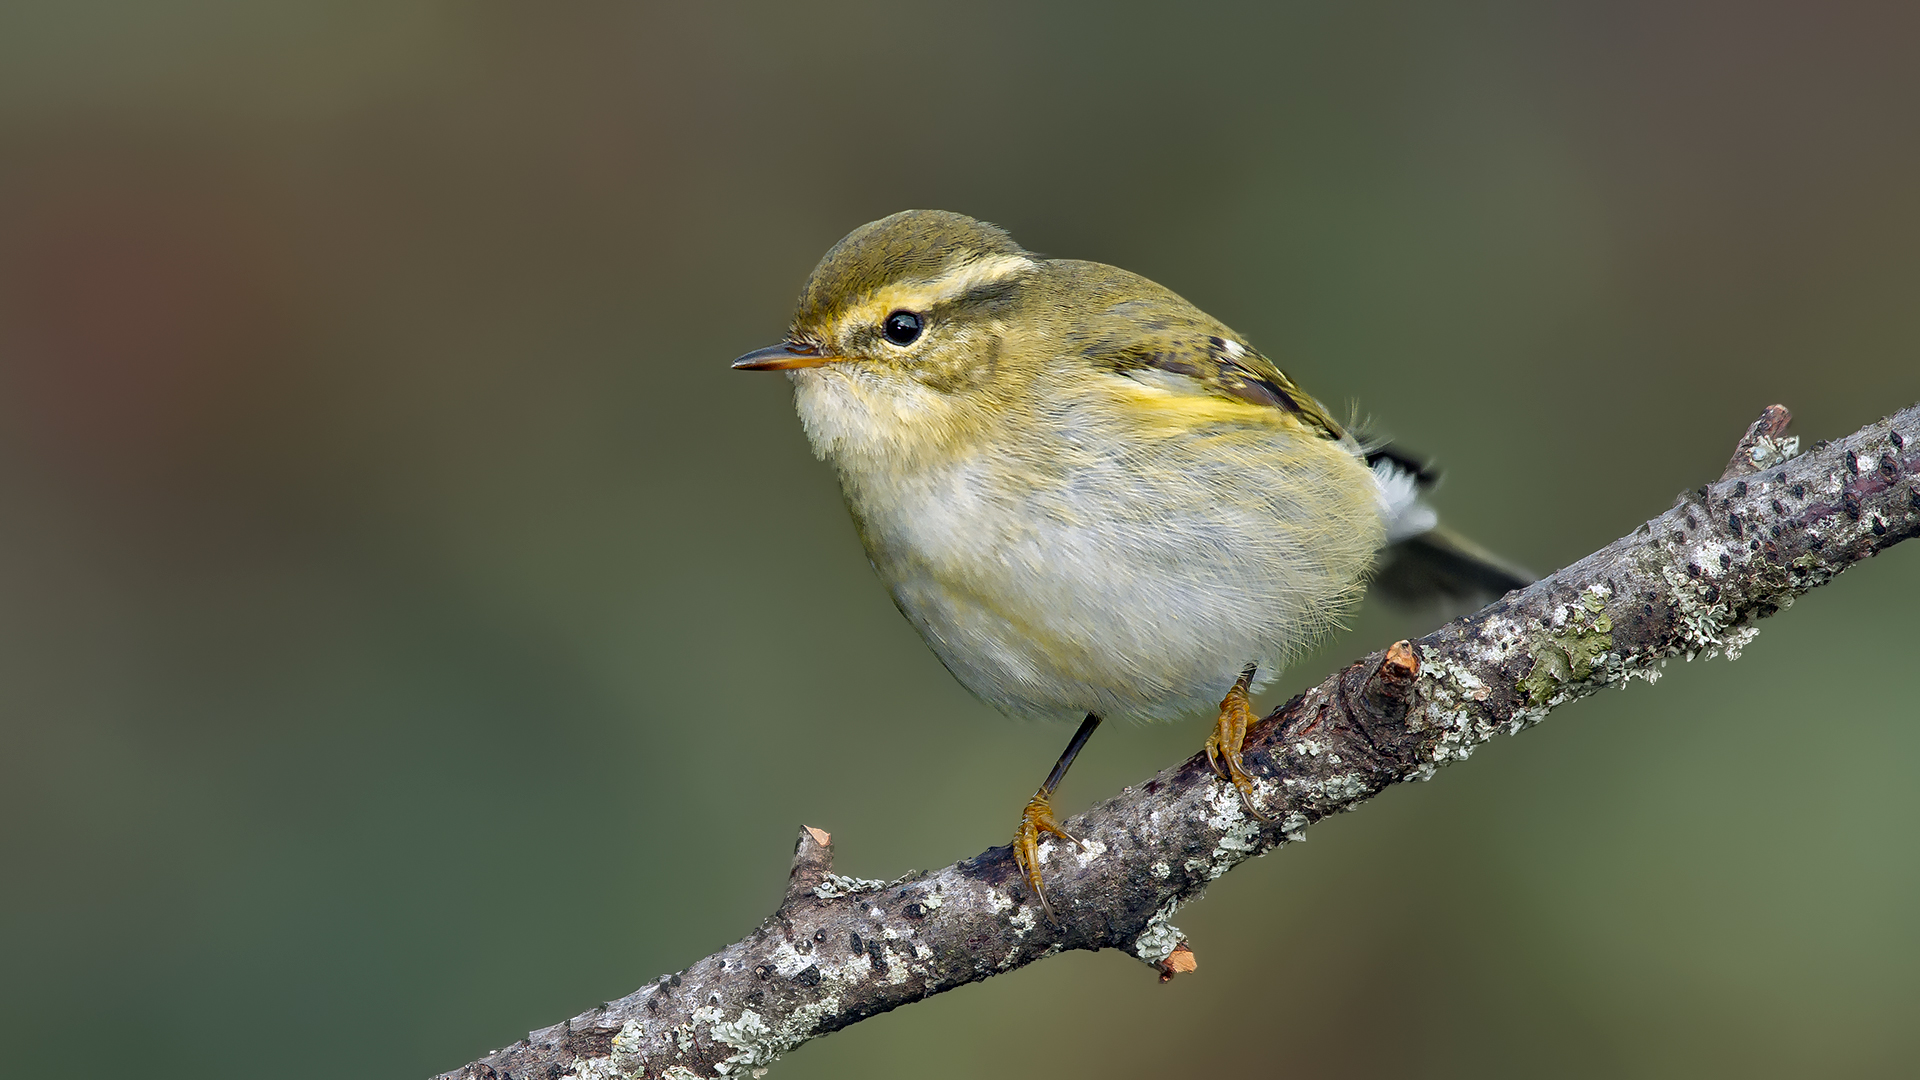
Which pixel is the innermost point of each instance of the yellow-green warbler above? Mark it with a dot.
(1090, 497)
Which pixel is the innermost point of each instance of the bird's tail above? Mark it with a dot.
(1441, 565)
(1426, 563)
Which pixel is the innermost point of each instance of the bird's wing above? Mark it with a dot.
(1158, 337)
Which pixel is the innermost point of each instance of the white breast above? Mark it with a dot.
(1125, 584)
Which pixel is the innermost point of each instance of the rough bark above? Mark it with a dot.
(1688, 583)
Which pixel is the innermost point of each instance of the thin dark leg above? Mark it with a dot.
(1037, 819)
(1072, 751)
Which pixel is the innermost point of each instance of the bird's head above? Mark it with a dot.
(900, 335)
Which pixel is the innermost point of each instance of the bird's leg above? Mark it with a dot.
(1037, 818)
(1230, 737)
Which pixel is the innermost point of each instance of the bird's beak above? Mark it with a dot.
(783, 357)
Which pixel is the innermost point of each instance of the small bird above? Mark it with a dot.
(1091, 498)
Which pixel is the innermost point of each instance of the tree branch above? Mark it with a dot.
(839, 950)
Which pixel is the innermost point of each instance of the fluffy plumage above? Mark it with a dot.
(1087, 495)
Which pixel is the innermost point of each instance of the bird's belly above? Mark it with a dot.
(1105, 592)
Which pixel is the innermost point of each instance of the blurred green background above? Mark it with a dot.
(411, 633)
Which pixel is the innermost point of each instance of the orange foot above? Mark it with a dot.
(1229, 738)
(1036, 819)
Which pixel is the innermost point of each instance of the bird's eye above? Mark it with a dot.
(903, 327)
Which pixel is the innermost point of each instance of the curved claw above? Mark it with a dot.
(1213, 755)
(1036, 819)
(1245, 784)
(1229, 738)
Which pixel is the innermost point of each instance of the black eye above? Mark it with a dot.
(902, 327)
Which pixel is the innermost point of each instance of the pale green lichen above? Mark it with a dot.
(1087, 852)
(836, 886)
(1160, 938)
(1650, 672)
(1700, 620)
(626, 1041)
(1447, 708)
(1737, 640)
(1338, 788)
(600, 1068)
(1022, 922)
(1344, 787)
(748, 1033)
(1239, 832)
(1706, 621)
(757, 1039)
(1767, 453)
(1294, 826)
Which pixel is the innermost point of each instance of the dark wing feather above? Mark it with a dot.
(1170, 335)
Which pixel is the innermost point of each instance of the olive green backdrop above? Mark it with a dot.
(411, 632)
